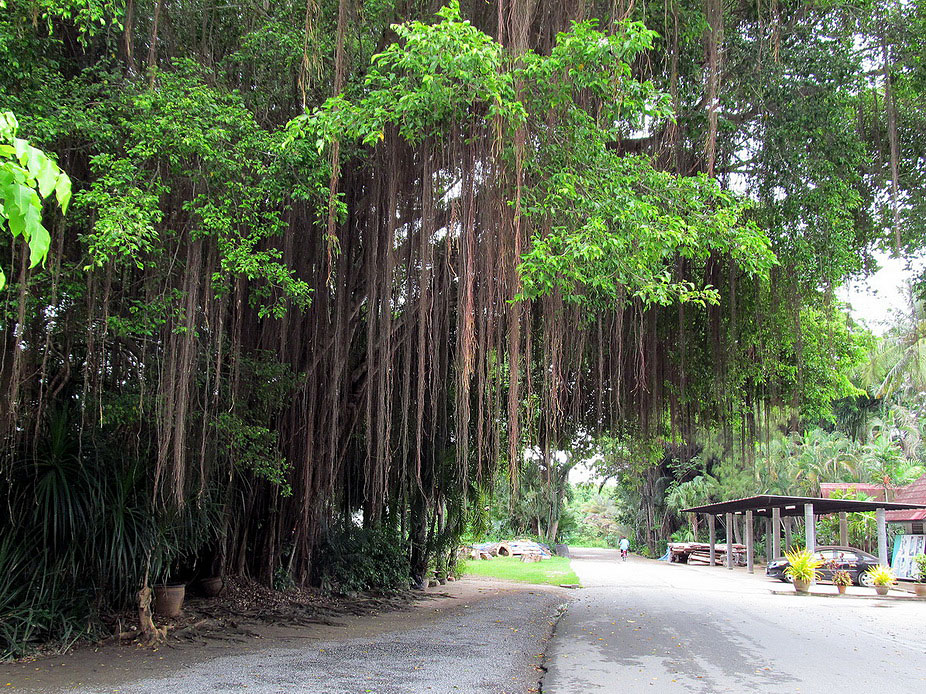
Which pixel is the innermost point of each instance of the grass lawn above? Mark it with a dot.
(554, 570)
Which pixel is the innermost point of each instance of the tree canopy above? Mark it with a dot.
(331, 265)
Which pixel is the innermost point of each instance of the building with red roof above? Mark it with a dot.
(875, 491)
(913, 520)
(913, 493)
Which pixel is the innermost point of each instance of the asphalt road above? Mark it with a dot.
(491, 643)
(646, 626)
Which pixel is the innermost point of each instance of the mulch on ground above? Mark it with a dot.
(245, 605)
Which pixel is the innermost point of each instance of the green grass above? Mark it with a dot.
(554, 570)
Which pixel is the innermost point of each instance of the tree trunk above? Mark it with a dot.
(150, 635)
(153, 41)
(128, 35)
(419, 542)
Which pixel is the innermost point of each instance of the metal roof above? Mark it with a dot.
(914, 493)
(762, 505)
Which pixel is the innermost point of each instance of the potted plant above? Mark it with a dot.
(882, 578)
(920, 585)
(168, 591)
(802, 568)
(211, 586)
(842, 580)
(178, 535)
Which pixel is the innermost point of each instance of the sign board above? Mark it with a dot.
(905, 548)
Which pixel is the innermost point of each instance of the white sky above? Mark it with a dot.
(877, 299)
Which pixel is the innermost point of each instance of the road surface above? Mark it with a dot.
(484, 637)
(646, 626)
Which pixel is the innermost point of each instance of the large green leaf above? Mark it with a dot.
(26, 173)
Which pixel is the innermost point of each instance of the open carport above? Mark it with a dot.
(773, 508)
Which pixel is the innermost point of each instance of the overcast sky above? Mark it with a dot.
(877, 299)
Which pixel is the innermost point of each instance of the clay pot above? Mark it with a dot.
(920, 589)
(882, 590)
(841, 589)
(802, 586)
(211, 586)
(168, 600)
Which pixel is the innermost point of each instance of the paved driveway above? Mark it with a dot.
(647, 626)
(484, 638)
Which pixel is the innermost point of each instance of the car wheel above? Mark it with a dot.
(865, 580)
(785, 578)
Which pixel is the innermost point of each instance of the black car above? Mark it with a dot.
(850, 559)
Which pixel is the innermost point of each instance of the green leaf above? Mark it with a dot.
(39, 238)
(63, 192)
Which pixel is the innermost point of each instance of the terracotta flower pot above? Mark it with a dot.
(841, 589)
(920, 589)
(802, 586)
(882, 590)
(168, 600)
(211, 586)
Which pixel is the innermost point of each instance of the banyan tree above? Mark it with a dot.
(329, 266)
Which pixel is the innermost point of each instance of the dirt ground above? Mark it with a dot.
(243, 625)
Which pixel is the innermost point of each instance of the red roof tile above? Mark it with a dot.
(913, 493)
(875, 491)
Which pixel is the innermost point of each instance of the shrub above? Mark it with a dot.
(353, 559)
(803, 565)
(842, 578)
(920, 561)
(881, 575)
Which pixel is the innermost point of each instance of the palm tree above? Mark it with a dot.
(691, 493)
(885, 463)
(820, 456)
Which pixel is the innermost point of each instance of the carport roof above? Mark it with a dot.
(762, 505)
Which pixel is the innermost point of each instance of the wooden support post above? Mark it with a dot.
(788, 534)
(711, 522)
(844, 528)
(729, 541)
(882, 536)
(750, 559)
(810, 534)
(776, 533)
